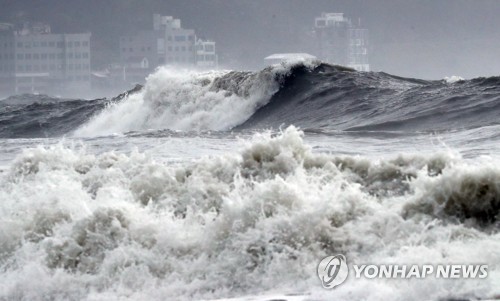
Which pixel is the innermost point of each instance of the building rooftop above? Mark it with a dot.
(290, 56)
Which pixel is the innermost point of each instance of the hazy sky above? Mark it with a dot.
(426, 39)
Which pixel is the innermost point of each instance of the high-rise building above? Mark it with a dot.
(339, 41)
(34, 60)
(167, 44)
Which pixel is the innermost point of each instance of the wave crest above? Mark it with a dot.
(190, 101)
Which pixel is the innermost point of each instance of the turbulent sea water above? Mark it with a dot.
(230, 184)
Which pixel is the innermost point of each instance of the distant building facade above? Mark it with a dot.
(167, 44)
(34, 60)
(206, 56)
(338, 41)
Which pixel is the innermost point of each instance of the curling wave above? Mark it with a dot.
(310, 95)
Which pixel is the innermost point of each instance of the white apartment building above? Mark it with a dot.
(167, 44)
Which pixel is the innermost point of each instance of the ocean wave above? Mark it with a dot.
(216, 100)
(256, 220)
(310, 95)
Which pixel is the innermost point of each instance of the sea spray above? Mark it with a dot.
(112, 225)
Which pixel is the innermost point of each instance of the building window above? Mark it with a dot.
(19, 45)
(20, 68)
(85, 55)
(27, 56)
(52, 44)
(27, 45)
(124, 49)
(36, 56)
(36, 44)
(183, 48)
(52, 67)
(60, 55)
(176, 48)
(44, 56)
(20, 56)
(320, 23)
(77, 44)
(60, 44)
(85, 43)
(28, 68)
(52, 56)
(36, 68)
(24, 80)
(70, 44)
(78, 55)
(70, 66)
(180, 38)
(44, 67)
(131, 49)
(160, 46)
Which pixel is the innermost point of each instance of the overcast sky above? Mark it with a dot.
(426, 39)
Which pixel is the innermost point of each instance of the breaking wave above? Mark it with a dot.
(126, 226)
(191, 101)
(311, 95)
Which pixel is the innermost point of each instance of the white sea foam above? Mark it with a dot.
(76, 225)
(453, 79)
(191, 101)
